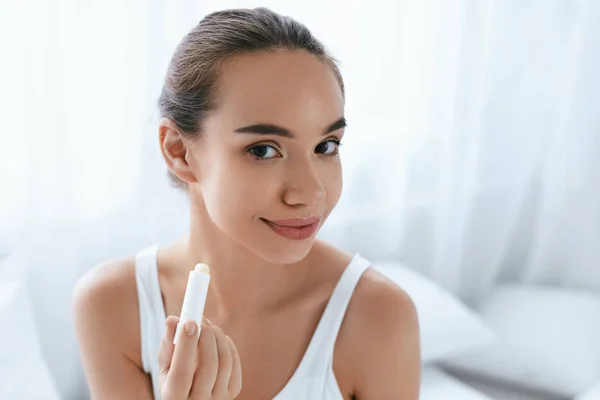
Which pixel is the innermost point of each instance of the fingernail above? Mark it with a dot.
(190, 327)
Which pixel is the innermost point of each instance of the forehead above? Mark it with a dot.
(294, 89)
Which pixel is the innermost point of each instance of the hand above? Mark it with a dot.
(205, 369)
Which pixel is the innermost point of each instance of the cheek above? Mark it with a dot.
(234, 190)
(333, 183)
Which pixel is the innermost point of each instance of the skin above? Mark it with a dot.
(267, 292)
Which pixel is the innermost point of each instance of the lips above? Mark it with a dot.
(297, 222)
(295, 229)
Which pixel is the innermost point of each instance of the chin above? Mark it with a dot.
(274, 248)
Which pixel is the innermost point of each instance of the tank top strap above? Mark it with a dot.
(319, 354)
(150, 305)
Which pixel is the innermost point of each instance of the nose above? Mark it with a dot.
(304, 187)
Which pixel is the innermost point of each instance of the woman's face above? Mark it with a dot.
(270, 152)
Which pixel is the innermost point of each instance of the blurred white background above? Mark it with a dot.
(472, 157)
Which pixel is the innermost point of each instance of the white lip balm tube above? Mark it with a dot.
(194, 299)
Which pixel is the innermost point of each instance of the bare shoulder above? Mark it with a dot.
(380, 301)
(382, 317)
(105, 303)
(106, 317)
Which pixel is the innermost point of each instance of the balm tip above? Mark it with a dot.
(202, 268)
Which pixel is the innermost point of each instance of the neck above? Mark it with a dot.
(242, 285)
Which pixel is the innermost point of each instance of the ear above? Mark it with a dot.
(174, 150)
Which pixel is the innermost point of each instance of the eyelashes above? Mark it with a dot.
(336, 147)
(267, 152)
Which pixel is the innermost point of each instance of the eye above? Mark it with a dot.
(329, 148)
(263, 152)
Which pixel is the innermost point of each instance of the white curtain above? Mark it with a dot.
(516, 160)
(472, 152)
(475, 131)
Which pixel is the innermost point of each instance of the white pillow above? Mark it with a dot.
(592, 394)
(23, 370)
(436, 385)
(548, 339)
(447, 326)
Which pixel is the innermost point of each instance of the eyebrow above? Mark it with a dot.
(270, 129)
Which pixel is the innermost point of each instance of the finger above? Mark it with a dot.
(207, 365)
(221, 388)
(235, 381)
(181, 373)
(165, 351)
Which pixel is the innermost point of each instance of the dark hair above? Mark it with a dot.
(189, 91)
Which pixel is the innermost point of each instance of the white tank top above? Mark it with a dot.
(313, 379)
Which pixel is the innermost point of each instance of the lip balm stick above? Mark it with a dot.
(194, 299)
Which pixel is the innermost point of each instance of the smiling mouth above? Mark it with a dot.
(293, 230)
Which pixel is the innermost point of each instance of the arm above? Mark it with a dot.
(389, 364)
(107, 325)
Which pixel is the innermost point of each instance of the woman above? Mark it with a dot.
(253, 116)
